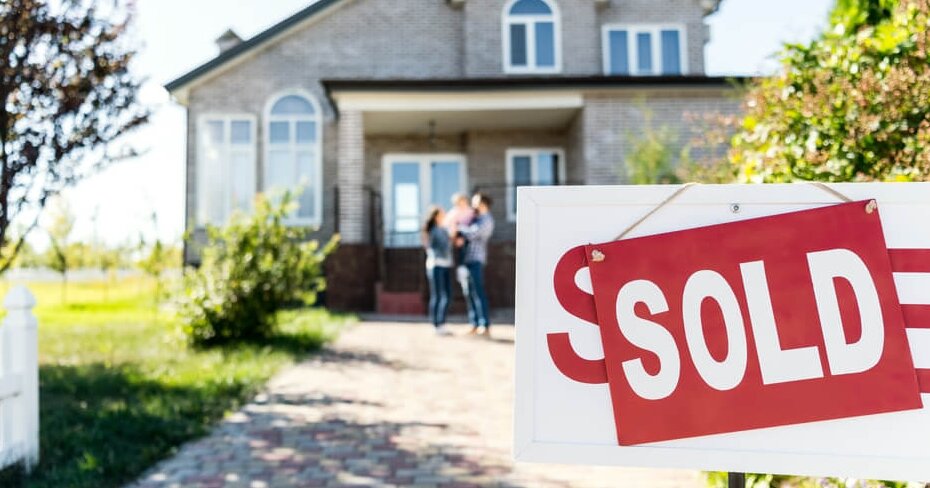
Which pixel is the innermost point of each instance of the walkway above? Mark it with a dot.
(389, 404)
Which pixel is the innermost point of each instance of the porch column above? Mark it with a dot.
(603, 148)
(353, 214)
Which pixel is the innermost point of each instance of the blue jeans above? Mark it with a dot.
(440, 293)
(476, 297)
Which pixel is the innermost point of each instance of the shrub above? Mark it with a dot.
(651, 157)
(251, 269)
(852, 105)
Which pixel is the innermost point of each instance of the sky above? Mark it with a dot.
(175, 36)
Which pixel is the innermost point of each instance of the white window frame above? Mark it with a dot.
(530, 22)
(632, 54)
(533, 153)
(251, 149)
(426, 185)
(317, 219)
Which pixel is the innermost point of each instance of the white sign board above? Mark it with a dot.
(559, 420)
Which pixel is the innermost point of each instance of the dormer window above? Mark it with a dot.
(531, 37)
(644, 50)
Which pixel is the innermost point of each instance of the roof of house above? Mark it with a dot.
(253, 42)
(279, 28)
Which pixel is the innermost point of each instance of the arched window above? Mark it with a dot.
(293, 153)
(531, 37)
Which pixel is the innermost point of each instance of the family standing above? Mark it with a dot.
(459, 239)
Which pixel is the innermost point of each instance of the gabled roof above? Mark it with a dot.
(280, 28)
(246, 46)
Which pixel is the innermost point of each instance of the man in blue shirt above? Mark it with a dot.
(478, 233)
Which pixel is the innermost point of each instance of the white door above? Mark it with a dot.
(411, 184)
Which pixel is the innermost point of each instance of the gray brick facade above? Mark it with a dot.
(610, 122)
(435, 39)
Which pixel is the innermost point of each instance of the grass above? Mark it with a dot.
(120, 389)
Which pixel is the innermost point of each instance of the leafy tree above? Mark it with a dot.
(156, 260)
(59, 257)
(705, 157)
(852, 15)
(23, 257)
(852, 105)
(651, 157)
(66, 95)
(250, 270)
(108, 260)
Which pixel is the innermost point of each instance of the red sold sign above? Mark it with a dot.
(767, 322)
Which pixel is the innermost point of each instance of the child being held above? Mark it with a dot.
(461, 214)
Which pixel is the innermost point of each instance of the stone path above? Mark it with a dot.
(388, 405)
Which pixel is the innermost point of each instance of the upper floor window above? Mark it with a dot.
(293, 154)
(225, 167)
(531, 37)
(644, 50)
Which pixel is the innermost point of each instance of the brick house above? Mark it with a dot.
(377, 109)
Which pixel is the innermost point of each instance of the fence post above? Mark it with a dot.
(23, 333)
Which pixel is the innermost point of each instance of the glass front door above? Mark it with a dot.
(413, 183)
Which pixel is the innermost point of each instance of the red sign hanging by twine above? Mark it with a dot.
(760, 323)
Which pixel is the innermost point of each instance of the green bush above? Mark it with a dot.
(651, 157)
(251, 268)
(851, 105)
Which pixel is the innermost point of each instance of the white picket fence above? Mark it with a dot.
(19, 381)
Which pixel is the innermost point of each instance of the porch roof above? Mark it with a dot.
(410, 106)
(334, 85)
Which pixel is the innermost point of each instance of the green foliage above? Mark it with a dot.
(18, 252)
(718, 479)
(67, 93)
(108, 259)
(120, 391)
(651, 158)
(704, 159)
(252, 268)
(852, 105)
(159, 258)
(852, 15)
(156, 260)
(25, 257)
(59, 256)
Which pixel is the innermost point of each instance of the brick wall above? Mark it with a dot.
(685, 12)
(581, 22)
(405, 39)
(350, 177)
(484, 37)
(429, 39)
(611, 120)
(351, 274)
(487, 160)
(359, 39)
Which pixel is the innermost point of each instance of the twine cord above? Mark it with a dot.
(683, 188)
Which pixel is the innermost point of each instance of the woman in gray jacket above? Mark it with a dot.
(438, 245)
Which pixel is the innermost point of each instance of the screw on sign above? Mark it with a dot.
(709, 330)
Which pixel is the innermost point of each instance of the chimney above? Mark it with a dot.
(710, 6)
(228, 40)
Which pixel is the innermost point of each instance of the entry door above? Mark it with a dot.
(413, 183)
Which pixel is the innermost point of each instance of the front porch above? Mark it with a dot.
(401, 152)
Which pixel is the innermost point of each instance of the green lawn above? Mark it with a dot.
(121, 390)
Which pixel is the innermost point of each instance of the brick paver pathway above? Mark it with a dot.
(387, 405)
